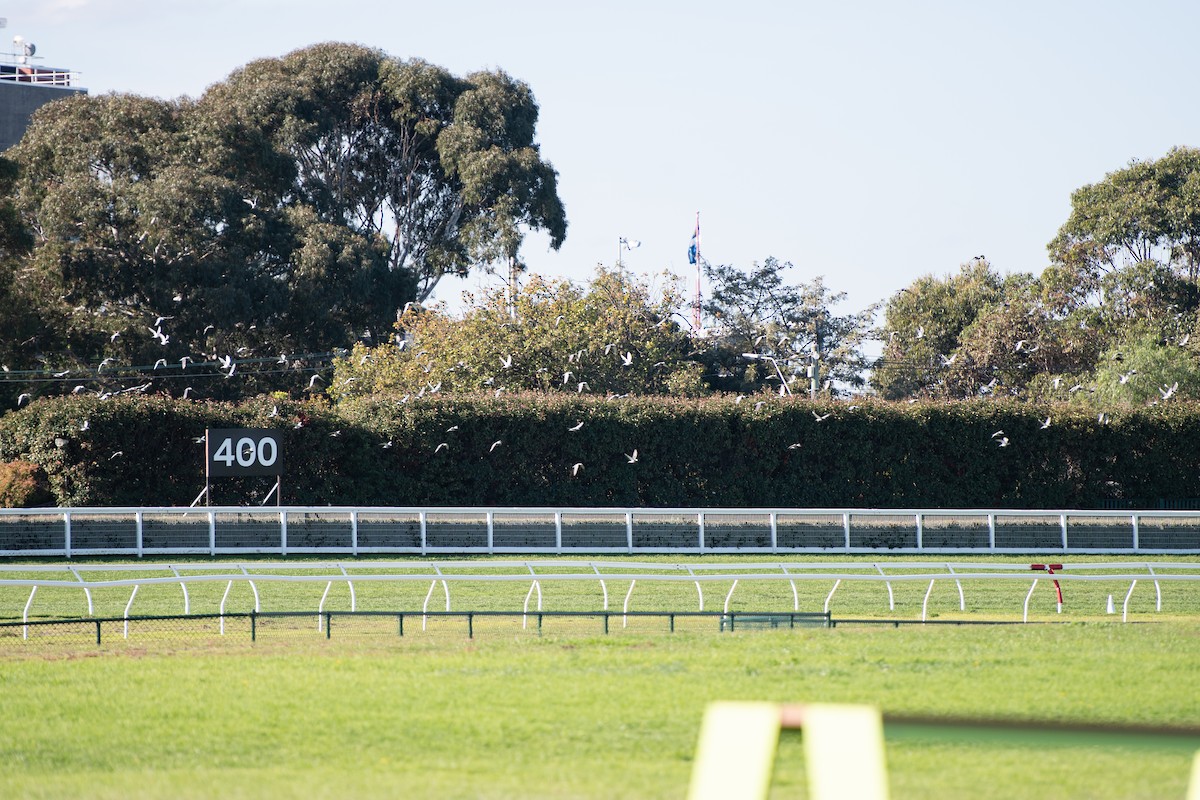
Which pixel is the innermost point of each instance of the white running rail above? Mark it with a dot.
(361, 530)
(92, 577)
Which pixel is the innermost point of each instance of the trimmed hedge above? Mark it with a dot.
(767, 451)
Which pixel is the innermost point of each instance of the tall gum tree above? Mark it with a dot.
(444, 170)
(295, 207)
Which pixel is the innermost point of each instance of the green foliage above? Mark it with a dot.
(757, 312)
(1143, 370)
(923, 325)
(23, 485)
(1148, 211)
(976, 334)
(294, 208)
(524, 448)
(443, 170)
(614, 337)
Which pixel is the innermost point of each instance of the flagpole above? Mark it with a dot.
(697, 321)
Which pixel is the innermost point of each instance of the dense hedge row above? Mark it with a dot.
(443, 450)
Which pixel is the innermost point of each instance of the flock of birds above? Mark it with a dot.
(227, 366)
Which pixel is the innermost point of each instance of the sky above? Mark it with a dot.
(868, 142)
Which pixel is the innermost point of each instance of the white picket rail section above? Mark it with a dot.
(233, 530)
(600, 572)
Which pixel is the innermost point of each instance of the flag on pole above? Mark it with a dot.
(694, 258)
(694, 247)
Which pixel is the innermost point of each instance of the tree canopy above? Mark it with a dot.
(294, 208)
(444, 170)
(1148, 211)
(757, 311)
(614, 337)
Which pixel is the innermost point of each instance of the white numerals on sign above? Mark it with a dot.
(263, 446)
(248, 452)
(225, 452)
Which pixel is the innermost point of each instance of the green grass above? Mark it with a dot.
(985, 600)
(574, 713)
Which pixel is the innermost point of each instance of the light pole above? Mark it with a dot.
(784, 388)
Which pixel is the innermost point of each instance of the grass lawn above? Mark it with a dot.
(573, 712)
(579, 715)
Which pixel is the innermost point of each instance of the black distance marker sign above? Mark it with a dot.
(233, 452)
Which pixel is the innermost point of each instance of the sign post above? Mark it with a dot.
(243, 452)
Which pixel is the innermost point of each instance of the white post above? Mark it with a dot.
(525, 608)
(962, 601)
(891, 597)
(1157, 590)
(1125, 605)
(1025, 618)
(321, 605)
(925, 602)
(25, 615)
(795, 594)
(831, 591)
(228, 586)
(774, 532)
(625, 609)
(253, 588)
(138, 521)
(354, 532)
(603, 586)
(128, 606)
(350, 585)
(186, 600)
(729, 596)
(86, 591)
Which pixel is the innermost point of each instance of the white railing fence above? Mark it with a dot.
(227, 530)
(89, 578)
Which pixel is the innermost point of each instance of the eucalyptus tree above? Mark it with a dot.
(617, 335)
(758, 311)
(443, 171)
(1147, 211)
(293, 208)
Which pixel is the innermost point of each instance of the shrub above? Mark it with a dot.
(23, 485)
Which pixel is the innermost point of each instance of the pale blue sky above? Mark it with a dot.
(869, 142)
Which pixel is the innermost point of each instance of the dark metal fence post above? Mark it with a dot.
(328, 619)
(672, 623)
(606, 622)
(253, 626)
(400, 619)
(97, 631)
(470, 626)
(539, 624)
